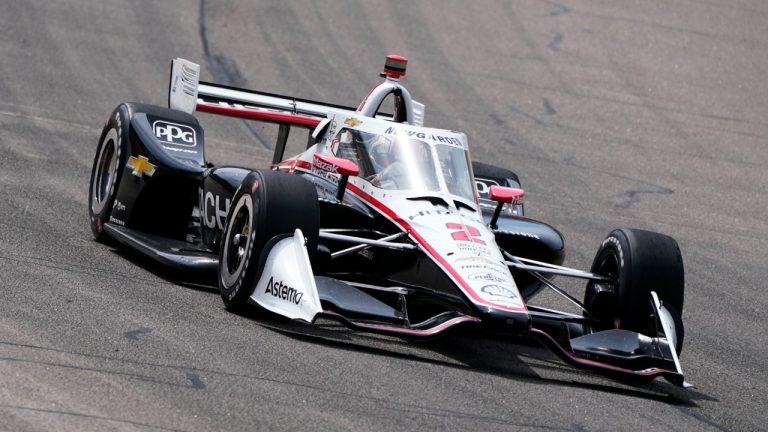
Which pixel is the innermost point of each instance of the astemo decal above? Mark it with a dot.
(283, 291)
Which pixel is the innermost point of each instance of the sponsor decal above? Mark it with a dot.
(484, 186)
(140, 166)
(351, 121)
(429, 213)
(500, 291)
(175, 84)
(324, 166)
(424, 136)
(117, 221)
(486, 277)
(521, 234)
(282, 291)
(473, 249)
(118, 206)
(214, 209)
(366, 253)
(465, 233)
(325, 170)
(174, 149)
(484, 268)
(174, 133)
(616, 243)
(334, 146)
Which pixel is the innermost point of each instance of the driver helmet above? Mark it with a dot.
(382, 151)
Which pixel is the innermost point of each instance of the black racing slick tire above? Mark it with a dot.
(639, 262)
(266, 205)
(108, 167)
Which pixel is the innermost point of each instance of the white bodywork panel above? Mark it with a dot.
(182, 94)
(287, 284)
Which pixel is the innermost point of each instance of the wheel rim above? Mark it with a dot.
(105, 173)
(237, 240)
(608, 266)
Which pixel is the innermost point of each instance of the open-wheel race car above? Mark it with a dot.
(382, 224)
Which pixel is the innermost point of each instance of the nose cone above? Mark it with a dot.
(466, 249)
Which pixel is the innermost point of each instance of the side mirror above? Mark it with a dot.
(504, 195)
(335, 165)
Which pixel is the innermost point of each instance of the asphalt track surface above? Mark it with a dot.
(614, 114)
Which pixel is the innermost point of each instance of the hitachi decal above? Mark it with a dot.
(283, 291)
(429, 212)
(423, 136)
(214, 209)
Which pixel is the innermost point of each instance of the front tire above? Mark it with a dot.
(639, 262)
(267, 204)
(108, 167)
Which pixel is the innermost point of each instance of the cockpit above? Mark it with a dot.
(415, 162)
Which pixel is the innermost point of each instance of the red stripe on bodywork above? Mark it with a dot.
(261, 114)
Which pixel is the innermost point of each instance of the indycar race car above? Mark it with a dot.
(381, 224)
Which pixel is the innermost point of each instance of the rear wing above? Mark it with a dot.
(187, 93)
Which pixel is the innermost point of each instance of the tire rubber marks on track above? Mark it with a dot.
(548, 106)
(224, 70)
(195, 380)
(557, 9)
(134, 334)
(554, 44)
(632, 196)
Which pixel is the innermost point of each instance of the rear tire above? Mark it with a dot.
(640, 262)
(108, 167)
(267, 204)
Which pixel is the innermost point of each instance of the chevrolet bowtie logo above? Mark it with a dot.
(351, 121)
(141, 166)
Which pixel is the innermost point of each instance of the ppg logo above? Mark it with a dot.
(173, 133)
(483, 186)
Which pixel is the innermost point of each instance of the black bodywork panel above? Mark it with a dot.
(161, 202)
(218, 187)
